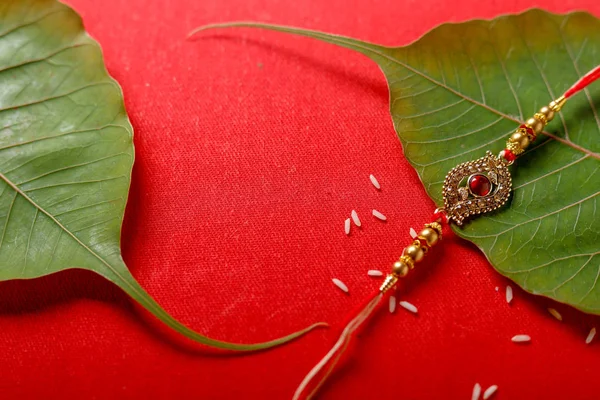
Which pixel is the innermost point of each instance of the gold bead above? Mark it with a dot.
(437, 226)
(549, 113)
(535, 124)
(430, 236)
(400, 269)
(417, 243)
(414, 252)
(520, 138)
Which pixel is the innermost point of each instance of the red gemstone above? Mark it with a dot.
(480, 185)
(508, 155)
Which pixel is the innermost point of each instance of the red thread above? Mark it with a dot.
(440, 216)
(320, 372)
(508, 155)
(583, 82)
(355, 311)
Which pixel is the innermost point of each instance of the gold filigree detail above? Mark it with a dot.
(408, 261)
(514, 147)
(459, 208)
(541, 117)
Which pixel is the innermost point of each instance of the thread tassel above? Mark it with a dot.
(310, 385)
(318, 375)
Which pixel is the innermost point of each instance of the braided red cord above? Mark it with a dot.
(583, 82)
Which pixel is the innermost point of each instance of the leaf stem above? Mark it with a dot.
(121, 276)
(370, 50)
(135, 291)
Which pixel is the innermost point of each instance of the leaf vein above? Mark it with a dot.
(29, 242)
(540, 217)
(6, 221)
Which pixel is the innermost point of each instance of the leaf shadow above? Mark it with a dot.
(33, 296)
(583, 112)
(376, 87)
(21, 297)
(576, 322)
(27, 297)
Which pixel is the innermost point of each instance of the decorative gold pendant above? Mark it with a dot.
(476, 187)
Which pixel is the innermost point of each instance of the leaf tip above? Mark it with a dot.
(197, 30)
(207, 27)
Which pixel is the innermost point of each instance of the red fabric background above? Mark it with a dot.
(252, 148)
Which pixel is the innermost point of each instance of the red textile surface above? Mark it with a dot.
(252, 148)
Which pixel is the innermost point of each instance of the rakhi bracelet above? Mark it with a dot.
(474, 187)
(471, 188)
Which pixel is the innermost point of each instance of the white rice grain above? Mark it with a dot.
(489, 392)
(497, 288)
(555, 314)
(379, 215)
(374, 272)
(340, 284)
(375, 182)
(509, 294)
(521, 338)
(590, 336)
(476, 392)
(347, 226)
(393, 304)
(413, 233)
(410, 307)
(355, 218)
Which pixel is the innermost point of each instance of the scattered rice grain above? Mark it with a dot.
(555, 314)
(489, 392)
(509, 294)
(413, 233)
(347, 226)
(410, 307)
(521, 338)
(374, 182)
(340, 284)
(497, 288)
(392, 304)
(379, 215)
(355, 218)
(476, 392)
(374, 272)
(590, 336)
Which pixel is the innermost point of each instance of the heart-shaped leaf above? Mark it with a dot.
(461, 90)
(66, 154)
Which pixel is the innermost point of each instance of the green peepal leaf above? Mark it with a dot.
(66, 154)
(462, 89)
